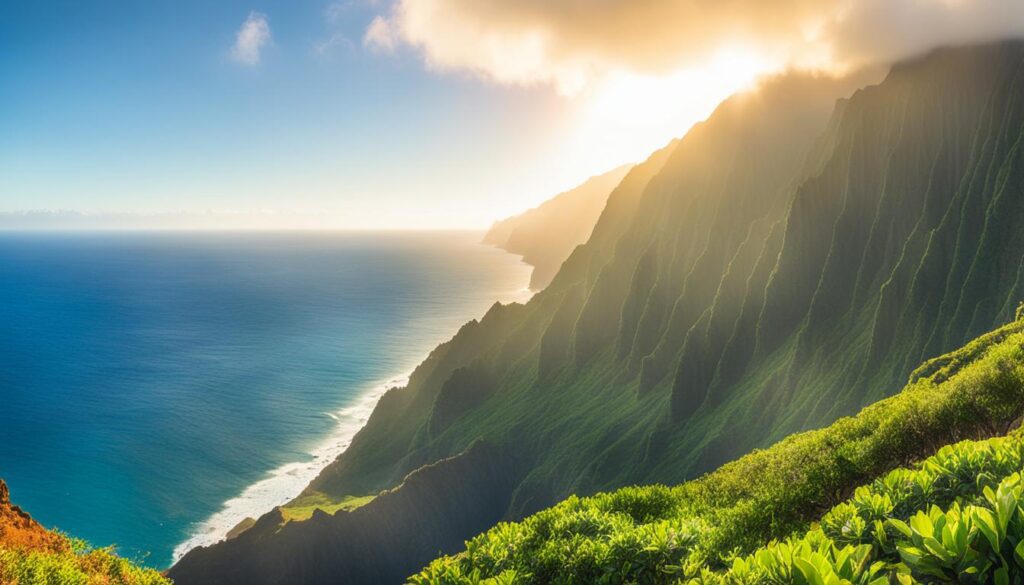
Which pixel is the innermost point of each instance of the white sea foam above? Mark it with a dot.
(286, 482)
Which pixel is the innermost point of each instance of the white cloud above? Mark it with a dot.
(574, 44)
(380, 35)
(335, 41)
(250, 39)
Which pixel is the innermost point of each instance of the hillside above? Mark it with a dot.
(33, 555)
(659, 534)
(788, 262)
(545, 235)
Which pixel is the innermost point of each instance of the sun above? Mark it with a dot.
(629, 115)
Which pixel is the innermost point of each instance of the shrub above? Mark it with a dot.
(978, 537)
(77, 564)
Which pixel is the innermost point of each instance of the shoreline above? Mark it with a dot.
(283, 484)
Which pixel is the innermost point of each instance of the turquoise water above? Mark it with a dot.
(148, 378)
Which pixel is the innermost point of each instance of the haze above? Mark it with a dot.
(412, 114)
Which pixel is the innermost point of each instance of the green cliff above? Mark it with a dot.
(786, 263)
(695, 530)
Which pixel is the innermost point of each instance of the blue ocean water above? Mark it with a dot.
(147, 378)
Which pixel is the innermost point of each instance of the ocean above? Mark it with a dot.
(158, 387)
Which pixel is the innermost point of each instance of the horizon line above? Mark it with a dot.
(243, 229)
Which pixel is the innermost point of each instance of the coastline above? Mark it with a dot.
(283, 484)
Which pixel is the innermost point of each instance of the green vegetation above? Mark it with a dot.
(659, 534)
(893, 531)
(302, 508)
(76, 564)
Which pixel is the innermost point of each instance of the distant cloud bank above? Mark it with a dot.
(572, 44)
(250, 39)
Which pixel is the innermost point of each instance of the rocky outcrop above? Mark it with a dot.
(19, 530)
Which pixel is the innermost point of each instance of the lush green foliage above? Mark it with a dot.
(80, 564)
(658, 534)
(896, 529)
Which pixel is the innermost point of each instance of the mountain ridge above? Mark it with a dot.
(545, 235)
(695, 530)
(713, 309)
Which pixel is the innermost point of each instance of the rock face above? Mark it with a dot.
(545, 235)
(19, 530)
(789, 261)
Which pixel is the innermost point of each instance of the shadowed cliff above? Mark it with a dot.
(381, 542)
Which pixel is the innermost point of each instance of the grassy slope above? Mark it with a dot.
(303, 508)
(655, 533)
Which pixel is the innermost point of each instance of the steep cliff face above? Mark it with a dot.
(545, 235)
(668, 534)
(786, 262)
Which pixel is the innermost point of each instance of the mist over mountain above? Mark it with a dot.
(545, 235)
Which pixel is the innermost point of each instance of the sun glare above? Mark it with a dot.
(628, 115)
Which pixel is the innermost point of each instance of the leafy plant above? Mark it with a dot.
(965, 543)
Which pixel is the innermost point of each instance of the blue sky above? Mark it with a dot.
(397, 113)
(141, 107)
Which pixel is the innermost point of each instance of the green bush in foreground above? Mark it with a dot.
(957, 519)
(78, 565)
(658, 534)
